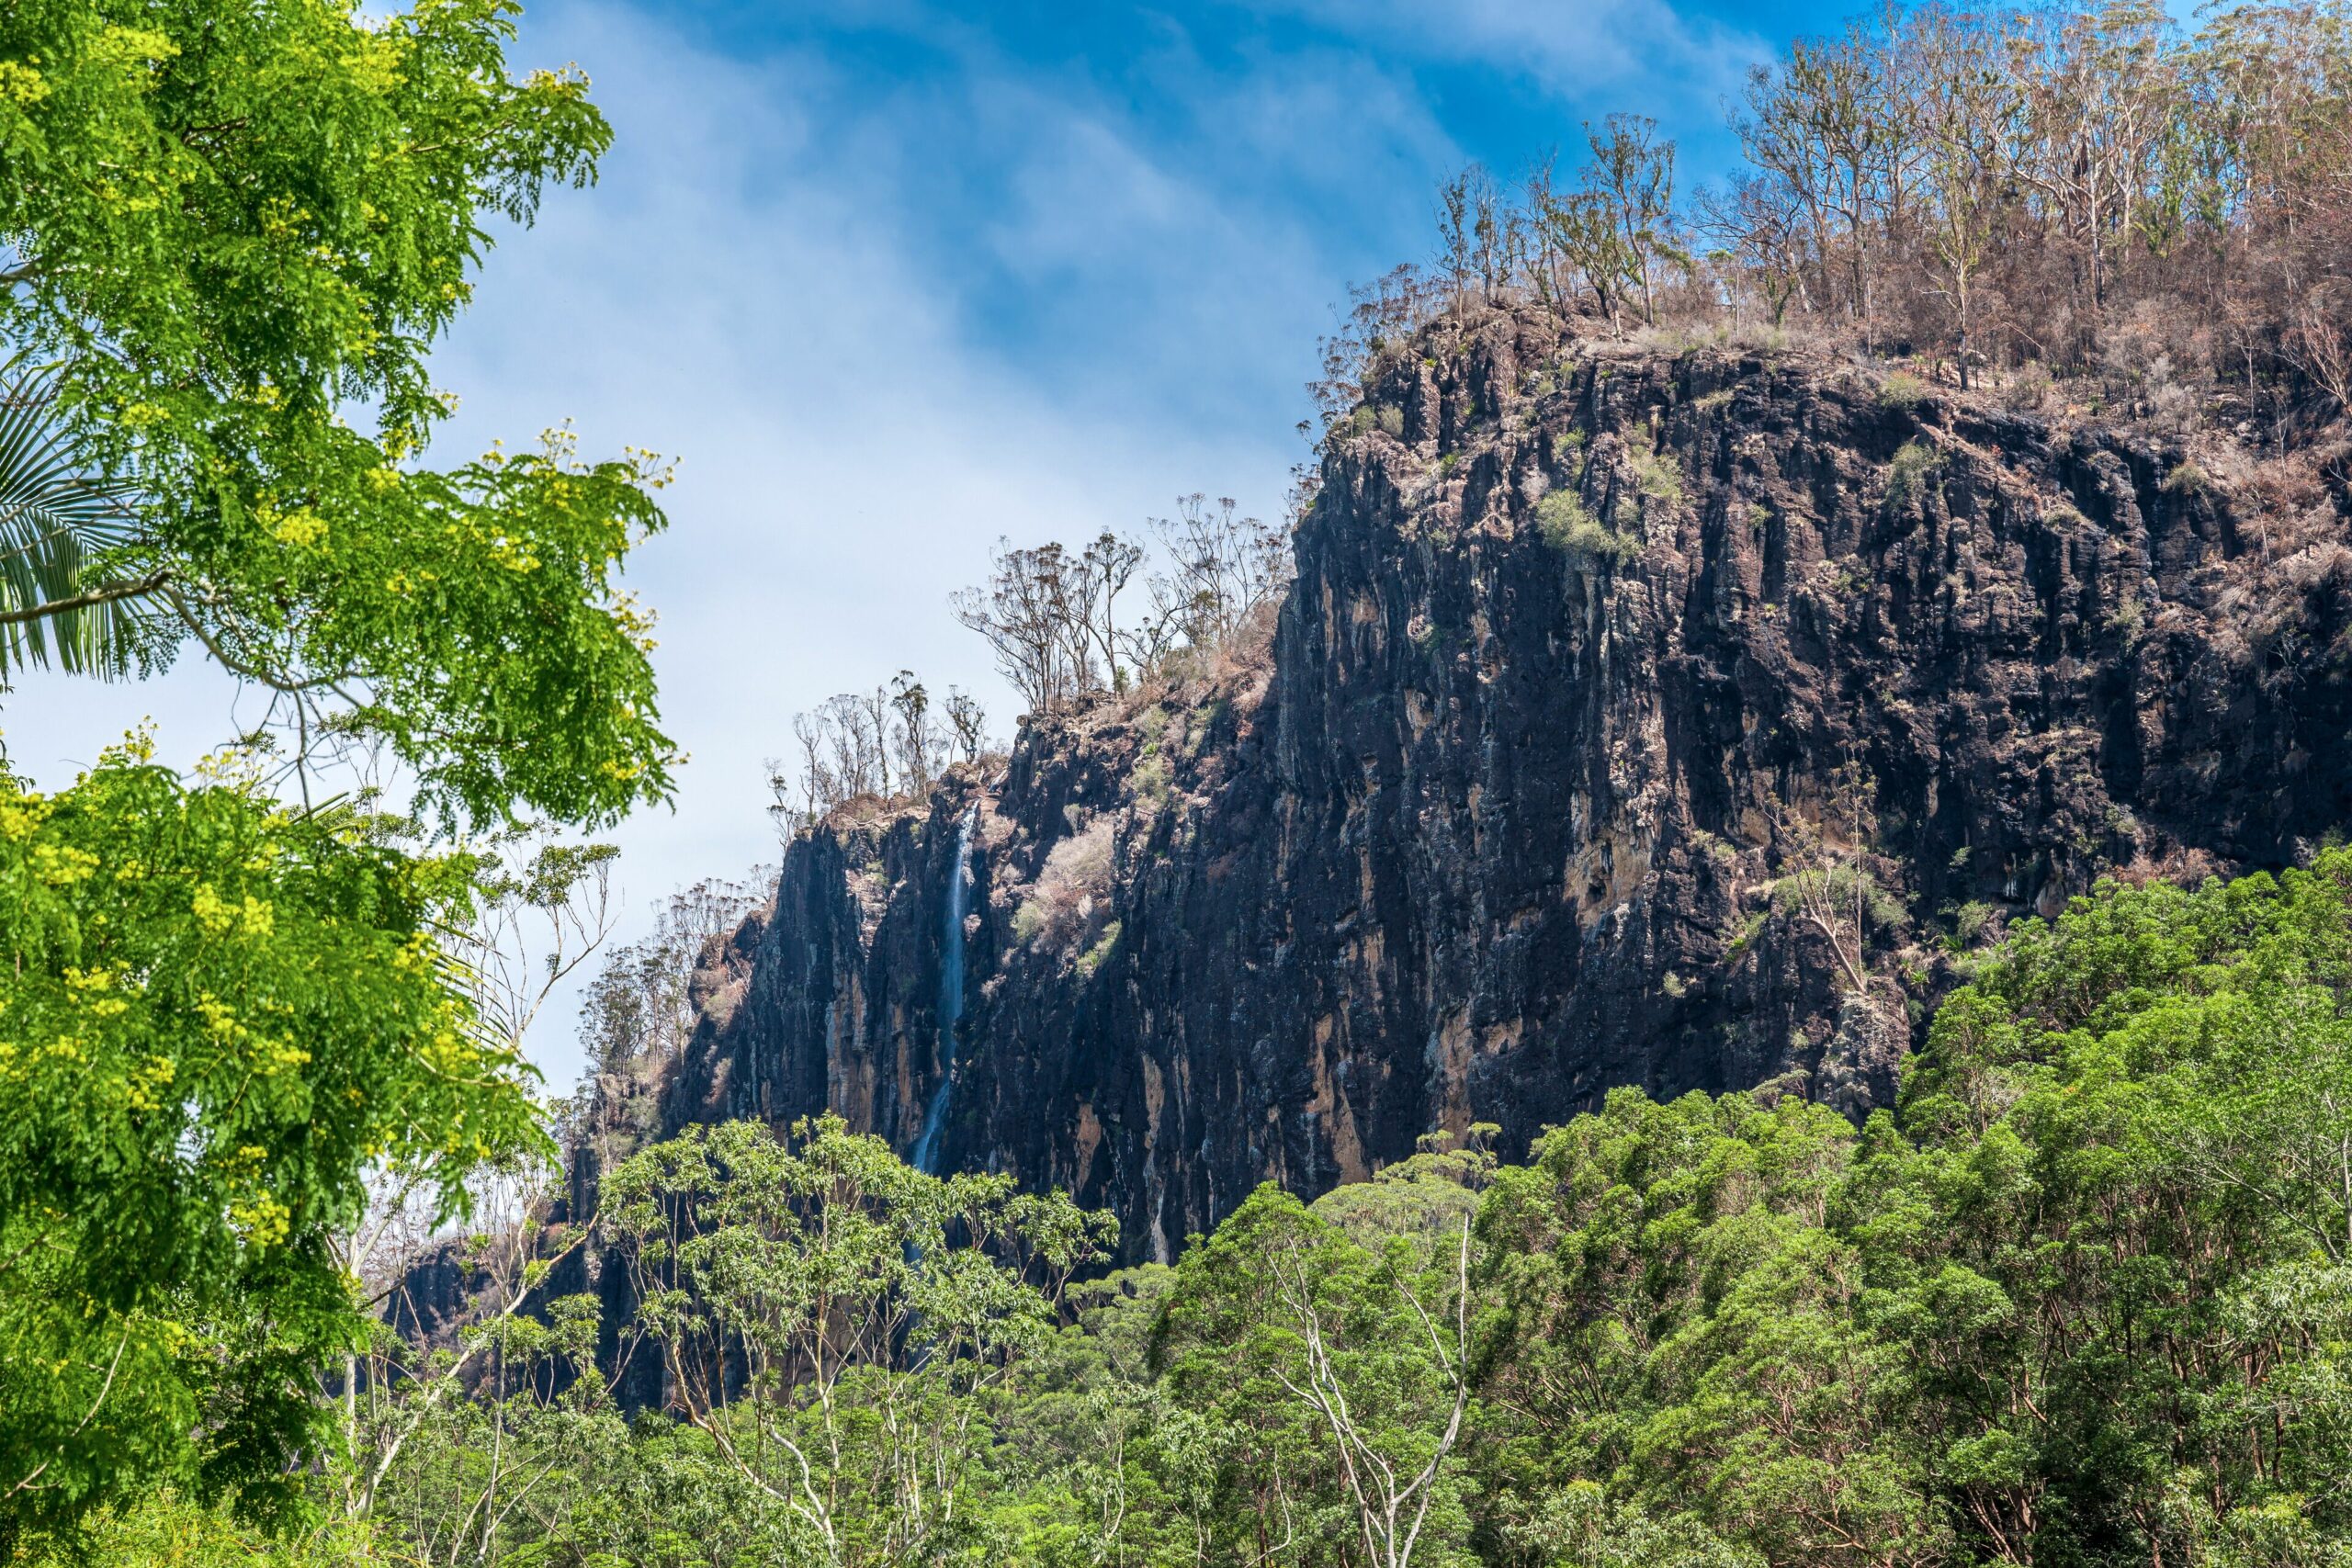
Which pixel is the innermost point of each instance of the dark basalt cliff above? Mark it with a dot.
(1501, 821)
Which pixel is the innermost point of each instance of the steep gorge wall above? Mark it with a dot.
(1497, 823)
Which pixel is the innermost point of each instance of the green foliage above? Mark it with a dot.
(1973, 922)
(1843, 884)
(836, 1322)
(1092, 959)
(217, 1015)
(2130, 1134)
(1149, 778)
(58, 524)
(2084, 1297)
(1902, 389)
(2084, 1305)
(1658, 476)
(232, 230)
(1915, 462)
(1028, 920)
(233, 234)
(1339, 1395)
(168, 1529)
(1577, 1527)
(1670, 1318)
(1423, 1201)
(1567, 526)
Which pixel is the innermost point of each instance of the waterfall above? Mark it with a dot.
(950, 992)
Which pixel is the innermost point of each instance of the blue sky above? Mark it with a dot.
(892, 279)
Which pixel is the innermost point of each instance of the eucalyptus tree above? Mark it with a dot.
(838, 1323)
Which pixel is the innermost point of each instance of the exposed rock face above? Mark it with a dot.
(1504, 820)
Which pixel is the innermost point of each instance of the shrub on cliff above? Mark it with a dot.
(1569, 527)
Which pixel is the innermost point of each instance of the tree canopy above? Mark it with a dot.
(229, 236)
(232, 233)
(2079, 1298)
(219, 1014)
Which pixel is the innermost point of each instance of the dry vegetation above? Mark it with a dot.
(2076, 206)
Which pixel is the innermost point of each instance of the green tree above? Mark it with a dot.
(1672, 1322)
(2118, 1249)
(217, 1015)
(1339, 1376)
(838, 1323)
(229, 237)
(232, 232)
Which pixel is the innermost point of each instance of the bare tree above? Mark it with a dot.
(1828, 886)
(1763, 230)
(803, 797)
(847, 748)
(637, 1015)
(1022, 610)
(1968, 103)
(1813, 125)
(969, 722)
(1458, 198)
(637, 1008)
(1101, 574)
(920, 746)
(2090, 192)
(541, 907)
(1052, 615)
(1221, 567)
(1380, 314)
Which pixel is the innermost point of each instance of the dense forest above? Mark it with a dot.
(2081, 1295)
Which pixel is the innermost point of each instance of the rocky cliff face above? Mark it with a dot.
(1802, 684)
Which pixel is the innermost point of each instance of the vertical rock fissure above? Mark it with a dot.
(951, 993)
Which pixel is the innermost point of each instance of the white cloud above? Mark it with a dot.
(1596, 51)
(746, 290)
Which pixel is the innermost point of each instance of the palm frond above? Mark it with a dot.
(60, 527)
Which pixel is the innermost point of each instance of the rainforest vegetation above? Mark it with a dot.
(2083, 1295)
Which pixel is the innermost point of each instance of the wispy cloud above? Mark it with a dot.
(874, 362)
(1677, 64)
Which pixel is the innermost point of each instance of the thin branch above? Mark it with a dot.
(109, 594)
(87, 1416)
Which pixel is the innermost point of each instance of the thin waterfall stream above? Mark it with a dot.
(950, 992)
